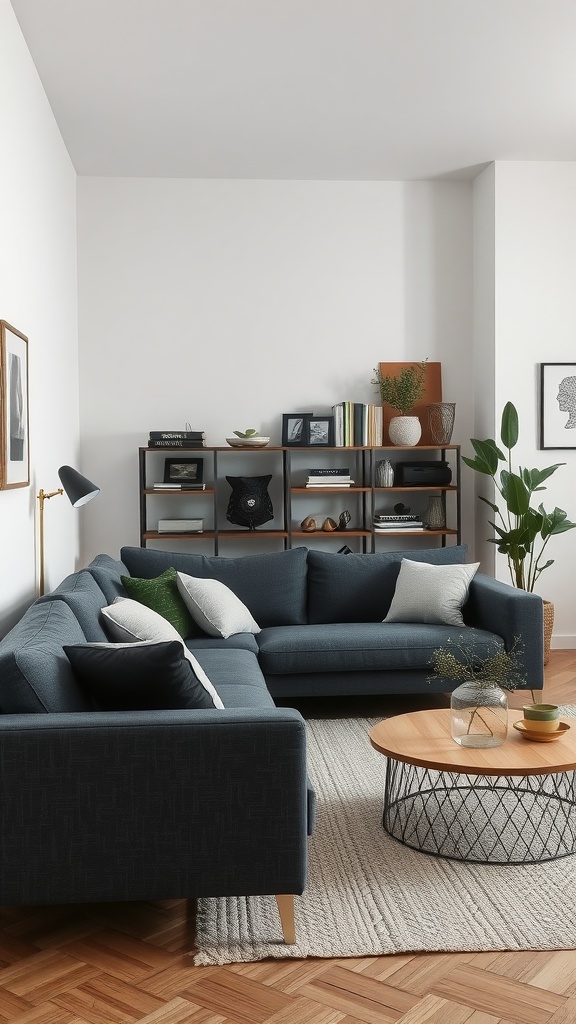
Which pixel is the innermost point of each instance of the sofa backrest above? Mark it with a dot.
(360, 588)
(107, 572)
(35, 674)
(272, 586)
(84, 597)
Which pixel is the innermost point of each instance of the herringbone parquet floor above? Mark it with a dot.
(129, 963)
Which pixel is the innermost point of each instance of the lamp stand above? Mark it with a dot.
(42, 497)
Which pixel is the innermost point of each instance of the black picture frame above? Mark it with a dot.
(320, 432)
(295, 429)
(557, 406)
(181, 470)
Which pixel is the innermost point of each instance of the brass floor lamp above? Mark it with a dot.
(79, 490)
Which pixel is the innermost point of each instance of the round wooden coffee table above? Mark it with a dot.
(512, 804)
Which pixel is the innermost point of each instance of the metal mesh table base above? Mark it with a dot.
(517, 819)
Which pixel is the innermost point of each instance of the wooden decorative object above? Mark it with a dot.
(432, 393)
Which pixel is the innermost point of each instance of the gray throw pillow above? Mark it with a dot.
(431, 593)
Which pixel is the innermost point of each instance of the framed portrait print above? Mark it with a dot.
(558, 405)
(321, 431)
(183, 471)
(14, 418)
(294, 428)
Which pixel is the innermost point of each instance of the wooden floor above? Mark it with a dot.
(130, 962)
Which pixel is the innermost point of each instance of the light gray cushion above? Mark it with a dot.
(214, 607)
(431, 593)
(127, 620)
(359, 588)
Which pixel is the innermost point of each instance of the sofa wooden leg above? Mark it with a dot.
(286, 911)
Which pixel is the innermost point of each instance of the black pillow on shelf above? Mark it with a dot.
(250, 504)
(140, 676)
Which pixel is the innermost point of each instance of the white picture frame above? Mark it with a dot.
(14, 408)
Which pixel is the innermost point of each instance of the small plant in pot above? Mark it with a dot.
(521, 532)
(479, 705)
(402, 392)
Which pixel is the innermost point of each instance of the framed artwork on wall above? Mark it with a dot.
(557, 405)
(14, 413)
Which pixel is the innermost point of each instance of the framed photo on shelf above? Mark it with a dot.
(294, 428)
(557, 405)
(180, 470)
(14, 408)
(320, 431)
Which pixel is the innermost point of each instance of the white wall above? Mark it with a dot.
(535, 317)
(38, 297)
(227, 303)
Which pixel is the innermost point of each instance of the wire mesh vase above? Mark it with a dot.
(441, 421)
(479, 714)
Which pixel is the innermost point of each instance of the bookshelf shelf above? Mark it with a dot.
(292, 500)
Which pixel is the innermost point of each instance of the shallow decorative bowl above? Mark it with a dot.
(541, 737)
(248, 442)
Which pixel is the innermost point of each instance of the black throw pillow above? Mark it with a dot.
(145, 676)
(250, 504)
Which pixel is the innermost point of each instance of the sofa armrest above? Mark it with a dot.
(153, 805)
(510, 612)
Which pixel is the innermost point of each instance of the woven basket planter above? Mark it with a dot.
(548, 627)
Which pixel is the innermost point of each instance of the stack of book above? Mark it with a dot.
(329, 478)
(397, 522)
(177, 439)
(357, 424)
(160, 486)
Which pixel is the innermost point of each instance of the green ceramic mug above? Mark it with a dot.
(541, 717)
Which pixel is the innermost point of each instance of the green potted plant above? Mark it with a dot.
(522, 532)
(402, 392)
(479, 705)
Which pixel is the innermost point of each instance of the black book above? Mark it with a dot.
(328, 472)
(177, 435)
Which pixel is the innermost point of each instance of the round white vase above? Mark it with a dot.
(405, 430)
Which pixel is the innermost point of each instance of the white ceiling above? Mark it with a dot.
(326, 89)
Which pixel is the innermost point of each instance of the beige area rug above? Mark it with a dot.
(367, 894)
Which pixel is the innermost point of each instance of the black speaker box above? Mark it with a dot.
(425, 474)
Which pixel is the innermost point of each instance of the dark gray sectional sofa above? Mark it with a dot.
(108, 806)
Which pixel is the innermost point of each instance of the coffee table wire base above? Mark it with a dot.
(517, 819)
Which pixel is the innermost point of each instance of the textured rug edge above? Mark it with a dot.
(247, 929)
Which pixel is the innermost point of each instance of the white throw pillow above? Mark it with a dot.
(128, 620)
(430, 593)
(214, 607)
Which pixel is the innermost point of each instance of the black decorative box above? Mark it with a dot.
(424, 474)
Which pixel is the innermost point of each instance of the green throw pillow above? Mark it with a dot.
(161, 595)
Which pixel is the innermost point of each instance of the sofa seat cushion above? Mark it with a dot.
(237, 677)
(35, 674)
(237, 642)
(359, 588)
(341, 647)
(272, 586)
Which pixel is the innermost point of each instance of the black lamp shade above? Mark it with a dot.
(78, 488)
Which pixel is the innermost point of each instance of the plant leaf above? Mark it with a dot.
(509, 427)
